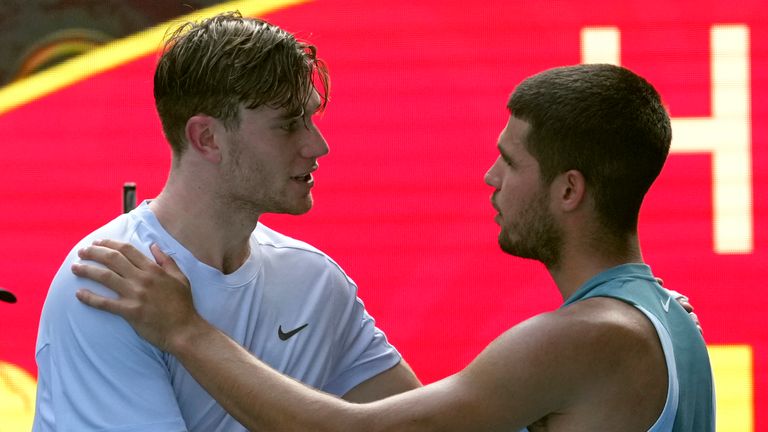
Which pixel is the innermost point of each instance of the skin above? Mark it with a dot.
(527, 226)
(218, 188)
(549, 372)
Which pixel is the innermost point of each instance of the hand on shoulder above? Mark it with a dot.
(154, 297)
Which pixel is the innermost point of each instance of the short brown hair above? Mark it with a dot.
(215, 65)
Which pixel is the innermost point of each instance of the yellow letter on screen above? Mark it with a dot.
(734, 381)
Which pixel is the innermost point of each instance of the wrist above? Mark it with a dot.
(185, 337)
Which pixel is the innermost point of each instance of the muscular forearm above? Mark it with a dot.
(253, 393)
(264, 400)
(257, 396)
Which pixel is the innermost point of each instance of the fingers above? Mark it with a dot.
(127, 250)
(167, 263)
(677, 296)
(99, 302)
(682, 299)
(162, 259)
(106, 277)
(109, 258)
(123, 262)
(696, 321)
(684, 303)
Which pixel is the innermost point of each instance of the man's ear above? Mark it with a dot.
(202, 137)
(570, 190)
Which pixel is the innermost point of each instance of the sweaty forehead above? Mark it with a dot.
(310, 107)
(513, 134)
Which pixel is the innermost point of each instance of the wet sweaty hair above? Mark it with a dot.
(215, 65)
(604, 121)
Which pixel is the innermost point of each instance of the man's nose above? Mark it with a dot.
(491, 178)
(316, 146)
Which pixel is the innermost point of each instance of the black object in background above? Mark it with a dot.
(129, 197)
(7, 296)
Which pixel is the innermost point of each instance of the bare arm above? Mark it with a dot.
(155, 299)
(562, 364)
(396, 380)
(176, 309)
(262, 399)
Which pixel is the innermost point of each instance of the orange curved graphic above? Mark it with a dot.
(117, 53)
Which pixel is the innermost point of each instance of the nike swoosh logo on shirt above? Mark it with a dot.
(284, 336)
(665, 305)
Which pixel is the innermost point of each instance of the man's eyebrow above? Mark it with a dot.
(504, 155)
(294, 115)
(309, 108)
(286, 115)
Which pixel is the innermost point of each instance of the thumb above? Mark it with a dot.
(167, 263)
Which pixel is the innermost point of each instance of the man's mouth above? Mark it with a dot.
(493, 202)
(497, 217)
(305, 177)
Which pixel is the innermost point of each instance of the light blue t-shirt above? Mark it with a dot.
(96, 373)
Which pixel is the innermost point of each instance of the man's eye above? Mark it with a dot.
(290, 126)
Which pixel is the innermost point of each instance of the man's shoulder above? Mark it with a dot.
(571, 360)
(268, 237)
(286, 252)
(128, 227)
(603, 319)
(64, 284)
(610, 337)
(587, 335)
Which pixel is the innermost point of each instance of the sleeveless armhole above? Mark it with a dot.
(667, 418)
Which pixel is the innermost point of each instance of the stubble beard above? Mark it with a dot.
(253, 190)
(303, 208)
(536, 234)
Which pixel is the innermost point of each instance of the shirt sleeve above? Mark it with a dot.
(94, 371)
(364, 349)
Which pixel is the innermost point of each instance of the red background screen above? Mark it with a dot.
(418, 98)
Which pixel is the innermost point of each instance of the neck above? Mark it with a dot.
(215, 233)
(581, 261)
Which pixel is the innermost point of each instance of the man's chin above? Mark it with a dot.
(297, 212)
(516, 249)
(300, 208)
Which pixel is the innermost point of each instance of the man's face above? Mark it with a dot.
(528, 229)
(268, 160)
